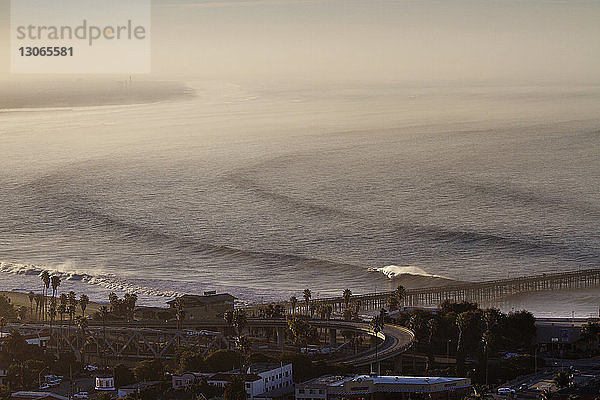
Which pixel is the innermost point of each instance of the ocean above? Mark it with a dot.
(262, 191)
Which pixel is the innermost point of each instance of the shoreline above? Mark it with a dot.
(44, 96)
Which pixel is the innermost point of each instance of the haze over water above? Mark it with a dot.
(263, 192)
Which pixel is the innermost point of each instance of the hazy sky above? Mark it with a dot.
(530, 41)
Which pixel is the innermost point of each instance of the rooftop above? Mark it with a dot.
(192, 299)
(327, 380)
(37, 395)
(228, 377)
(258, 368)
(402, 380)
(140, 385)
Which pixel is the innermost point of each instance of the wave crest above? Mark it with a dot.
(413, 277)
(108, 281)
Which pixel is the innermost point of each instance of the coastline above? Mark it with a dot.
(23, 97)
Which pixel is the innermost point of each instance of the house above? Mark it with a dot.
(383, 387)
(4, 364)
(210, 306)
(136, 388)
(105, 384)
(38, 338)
(179, 381)
(36, 396)
(262, 380)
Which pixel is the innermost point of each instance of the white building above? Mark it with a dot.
(105, 384)
(382, 387)
(262, 380)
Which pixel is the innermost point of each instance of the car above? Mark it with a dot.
(506, 391)
(81, 395)
(576, 372)
(91, 368)
(524, 387)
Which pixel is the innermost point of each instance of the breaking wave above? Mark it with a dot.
(108, 281)
(413, 277)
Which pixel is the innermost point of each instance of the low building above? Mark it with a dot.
(105, 384)
(383, 387)
(179, 381)
(37, 338)
(556, 337)
(262, 380)
(36, 396)
(4, 364)
(136, 388)
(210, 306)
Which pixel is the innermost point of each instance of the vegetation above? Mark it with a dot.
(123, 375)
(7, 309)
(474, 335)
(149, 370)
(307, 296)
(562, 379)
(235, 390)
(303, 332)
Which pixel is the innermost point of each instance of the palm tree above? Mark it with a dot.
(357, 305)
(239, 320)
(228, 317)
(129, 301)
(62, 307)
(72, 299)
(55, 282)
(31, 296)
(83, 303)
(347, 296)
(562, 379)
(38, 305)
(328, 311)
(546, 394)
(52, 310)
(293, 303)
(71, 311)
(82, 324)
(307, 295)
(377, 326)
(179, 306)
(400, 293)
(392, 303)
(103, 311)
(245, 346)
(45, 277)
(62, 310)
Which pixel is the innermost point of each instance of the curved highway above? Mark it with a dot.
(396, 339)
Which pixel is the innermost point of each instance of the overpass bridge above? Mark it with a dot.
(150, 340)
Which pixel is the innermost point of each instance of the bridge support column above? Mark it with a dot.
(398, 364)
(376, 368)
(279, 332)
(332, 337)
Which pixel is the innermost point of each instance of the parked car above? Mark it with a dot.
(506, 391)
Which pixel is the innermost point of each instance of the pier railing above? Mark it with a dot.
(480, 292)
